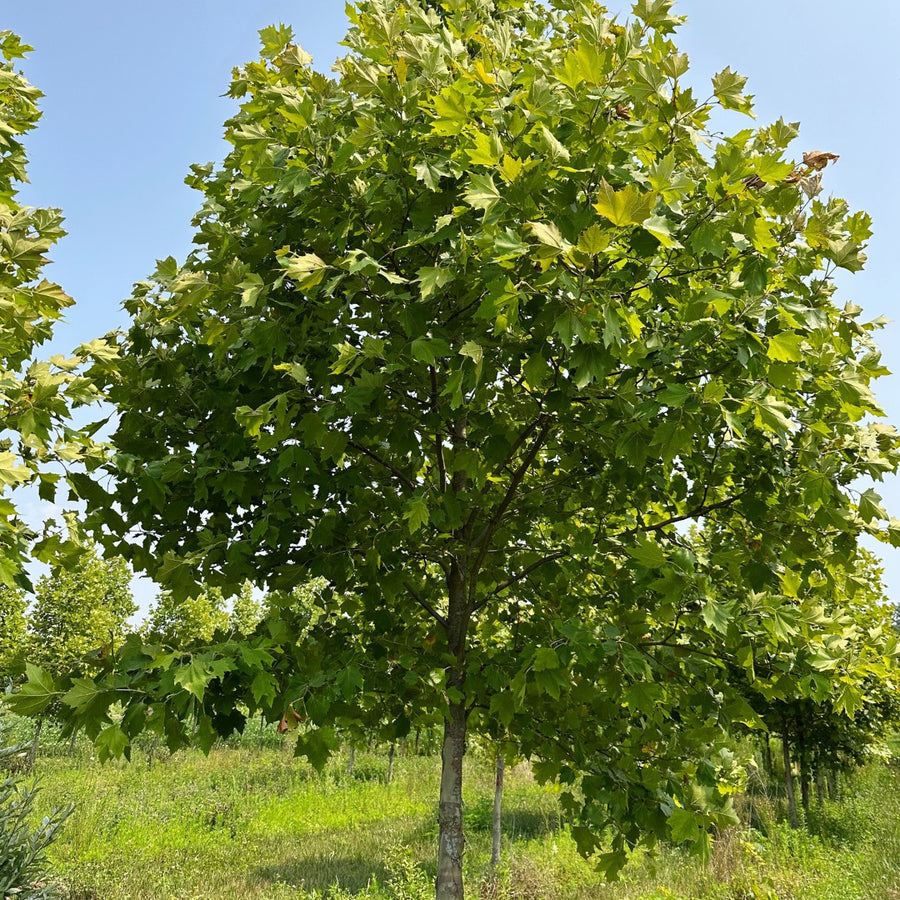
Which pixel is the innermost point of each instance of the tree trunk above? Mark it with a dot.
(831, 781)
(72, 744)
(789, 778)
(32, 753)
(767, 757)
(352, 762)
(451, 841)
(498, 805)
(390, 774)
(803, 759)
(820, 784)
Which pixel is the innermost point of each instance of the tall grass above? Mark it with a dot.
(250, 822)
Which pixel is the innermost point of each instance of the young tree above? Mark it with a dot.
(180, 623)
(469, 332)
(79, 610)
(246, 611)
(12, 631)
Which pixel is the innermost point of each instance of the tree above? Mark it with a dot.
(246, 611)
(469, 333)
(180, 623)
(40, 442)
(12, 631)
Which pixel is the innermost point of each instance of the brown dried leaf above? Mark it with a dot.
(818, 159)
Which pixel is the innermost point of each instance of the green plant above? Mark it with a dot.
(22, 845)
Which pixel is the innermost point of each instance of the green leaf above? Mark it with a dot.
(684, 826)
(416, 513)
(306, 270)
(627, 206)
(648, 553)
(785, 347)
(35, 695)
(503, 705)
(317, 745)
(549, 235)
(545, 659)
(660, 228)
(728, 87)
(870, 506)
(433, 278)
(194, 677)
(112, 743)
(594, 240)
(427, 350)
(482, 192)
(474, 352)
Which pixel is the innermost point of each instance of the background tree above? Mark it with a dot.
(12, 632)
(246, 610)
(180, 623)
(79, 611)
(468, 333)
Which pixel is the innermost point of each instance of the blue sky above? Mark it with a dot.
(133, 97)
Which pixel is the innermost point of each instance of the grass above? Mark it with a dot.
(256, 823)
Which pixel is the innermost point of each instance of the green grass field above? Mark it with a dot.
(256, 823)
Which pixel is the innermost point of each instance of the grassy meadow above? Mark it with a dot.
(250, 821)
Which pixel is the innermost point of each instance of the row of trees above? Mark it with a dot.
(474, 333)
(81, 613)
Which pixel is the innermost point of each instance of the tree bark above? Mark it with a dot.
(390, 772)
(767, 757)
(831, 781)
(820, 784)
(498, 806)
(451, 840)
(789, 777)
(32, 753)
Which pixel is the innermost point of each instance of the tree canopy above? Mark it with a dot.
(473, 332)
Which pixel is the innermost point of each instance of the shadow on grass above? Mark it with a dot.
(352, 872)
(351, 859)
(516, 823)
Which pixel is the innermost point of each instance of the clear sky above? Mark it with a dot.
(133, 97)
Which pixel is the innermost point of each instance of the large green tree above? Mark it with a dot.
(470, 331)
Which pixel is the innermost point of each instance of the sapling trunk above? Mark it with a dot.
(820, 784)
(32, 753)
(390, 771)
(789, 778)
(498, 806)
(803, 759)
